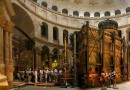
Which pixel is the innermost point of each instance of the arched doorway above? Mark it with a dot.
(54, 58)
(45, 56)
(22, 39)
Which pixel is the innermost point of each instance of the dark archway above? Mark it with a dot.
(44, 30)
(23, 20)
(22, 38)
(54, 57)
(45, 56)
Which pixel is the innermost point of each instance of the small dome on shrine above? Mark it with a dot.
(108, 24)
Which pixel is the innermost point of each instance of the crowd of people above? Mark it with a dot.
(44, 75)
(56, 75)
(108, 78)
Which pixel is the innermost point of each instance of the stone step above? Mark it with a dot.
(45, 84)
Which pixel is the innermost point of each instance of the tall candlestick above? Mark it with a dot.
(65, 49)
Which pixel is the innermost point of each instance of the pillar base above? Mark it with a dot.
(9, 74)
(2, 69)
(3, 83)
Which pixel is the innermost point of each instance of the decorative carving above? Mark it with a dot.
(2, 22)
(7, 25)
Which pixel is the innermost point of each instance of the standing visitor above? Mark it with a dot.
(41, 74)
(107, 79)
(29, 77)
(113, 74)
(36, 76)
(102, 79)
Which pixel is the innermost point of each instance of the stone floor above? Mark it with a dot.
(122, 86)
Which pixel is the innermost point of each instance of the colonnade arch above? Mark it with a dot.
(23, 43)
(45, 56)
(23, 20)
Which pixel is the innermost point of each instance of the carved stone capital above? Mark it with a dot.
(37, 50)
(6, 25)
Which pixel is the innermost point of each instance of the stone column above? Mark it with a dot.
(10, 49)
(8, 28)
(40, 59)
(6, 49)
(50, 34)
(6, 43)
(37, 58)
(50, 61)
(2, 65)
(10, 66)
(60, 37)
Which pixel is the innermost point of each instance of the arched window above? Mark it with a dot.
(55, 33)
(65, 34)
(127, 9)
(107, 13)
(44, 4)
(54, 8)
(86, 14)
(44, 30)
(65, 11)
(96, 14)
(75, 13)
(117, 12)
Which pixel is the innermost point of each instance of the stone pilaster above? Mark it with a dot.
(50, 34)
(10, 49)
(37, 58)
(10, 66)
(6, 44)
(2, 65)
(7, 65)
